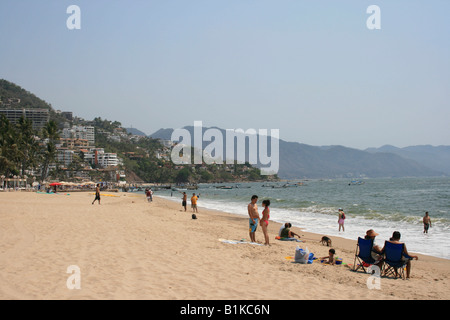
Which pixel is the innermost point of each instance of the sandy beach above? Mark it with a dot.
(127, 248)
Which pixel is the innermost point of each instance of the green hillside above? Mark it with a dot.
(21, 153)
(10, 91)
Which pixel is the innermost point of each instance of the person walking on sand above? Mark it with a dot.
(426, 222)
(341, 219)
(97, 194)
(265, 221)
(253, 214)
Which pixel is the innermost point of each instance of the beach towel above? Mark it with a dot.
(288, 239)
(64, 194)
(239, 242)
(107, 195)
(311, 258)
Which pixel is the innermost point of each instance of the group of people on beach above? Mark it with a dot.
(194, 200)
(149, 194)
(252, 209)
(426, 221)
(377, 250)
(254, 218)
(286, 232)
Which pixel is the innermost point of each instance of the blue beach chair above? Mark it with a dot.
(364, 256)
(394, 262)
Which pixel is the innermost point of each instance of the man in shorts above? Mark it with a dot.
(426, 222)
(254, 217)
(97, 194)
(183, 202)
(194, 202)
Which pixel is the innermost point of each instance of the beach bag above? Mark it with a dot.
(301, 256)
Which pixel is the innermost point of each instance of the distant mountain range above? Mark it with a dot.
(299, 161)
(437, 158)
(136, 132)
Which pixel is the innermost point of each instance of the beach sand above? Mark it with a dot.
(127, 248)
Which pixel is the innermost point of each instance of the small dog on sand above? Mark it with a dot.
(326, 240)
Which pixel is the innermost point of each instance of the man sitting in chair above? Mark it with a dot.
(396, 239)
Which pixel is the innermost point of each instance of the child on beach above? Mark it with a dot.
(265, 220)
(330, 258)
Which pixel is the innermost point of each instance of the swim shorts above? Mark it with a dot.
(253, 226)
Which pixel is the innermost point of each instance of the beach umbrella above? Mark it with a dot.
(54, 184)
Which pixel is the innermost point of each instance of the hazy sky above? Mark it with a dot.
(309, 68)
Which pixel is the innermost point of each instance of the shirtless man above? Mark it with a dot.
(396, 239)
(183, 202)
(254, 217)
(426, 222)
(97, 194)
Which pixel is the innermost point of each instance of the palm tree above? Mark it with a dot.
(50, 133)
(7, 147)
(27, 145)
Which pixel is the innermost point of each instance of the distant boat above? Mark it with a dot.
(290, 185)
(224, 187)
(356, 183)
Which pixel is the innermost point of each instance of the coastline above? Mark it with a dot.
(127, 248)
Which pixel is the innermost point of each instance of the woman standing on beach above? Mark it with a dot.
(341, 219)
(265, 220)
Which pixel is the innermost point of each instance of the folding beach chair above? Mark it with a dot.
(394, 262)
(364, 256)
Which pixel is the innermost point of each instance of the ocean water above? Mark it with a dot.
(385, 205)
